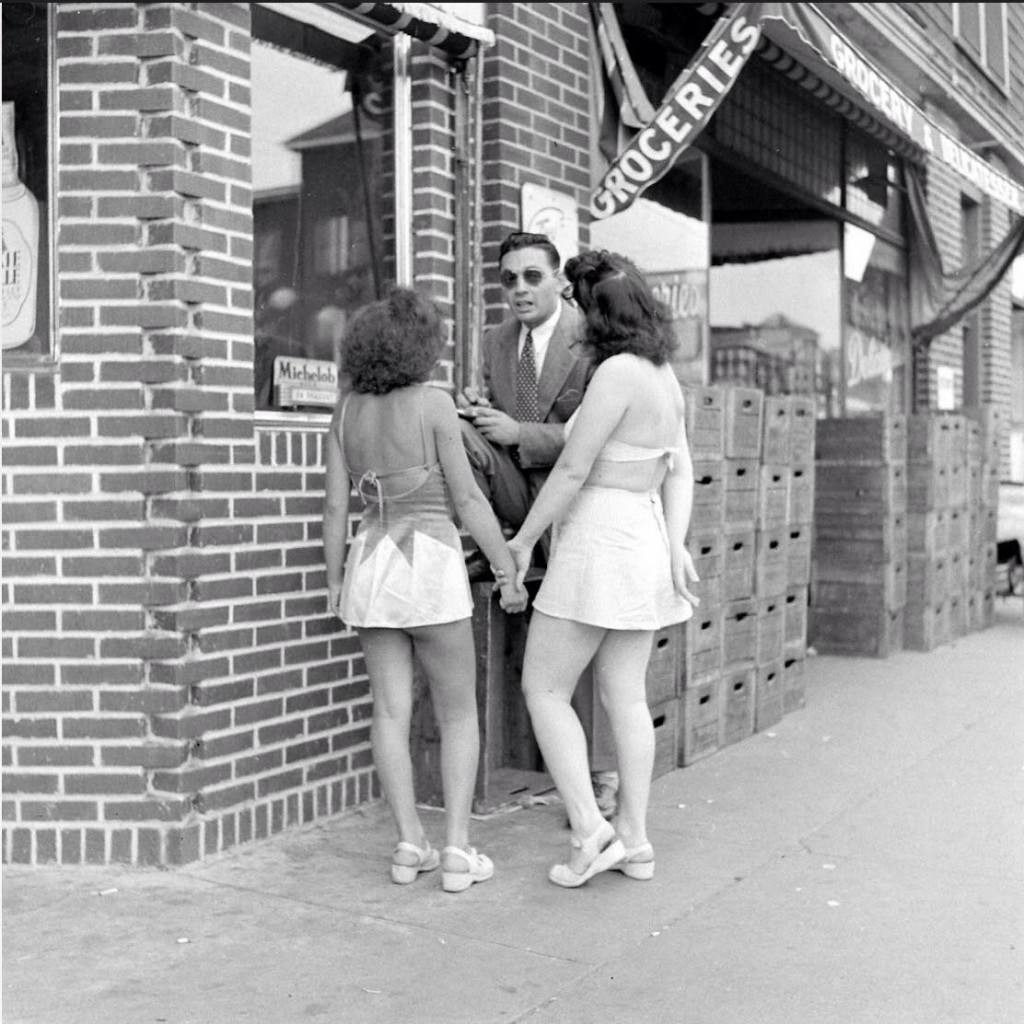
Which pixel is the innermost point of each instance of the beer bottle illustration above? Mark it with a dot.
(20, 244)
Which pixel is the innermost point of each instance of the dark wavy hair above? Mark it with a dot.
(622, 313)
(392, 343)
(527, 240)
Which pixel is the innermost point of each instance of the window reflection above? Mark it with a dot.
(776, 309)
(321, 146)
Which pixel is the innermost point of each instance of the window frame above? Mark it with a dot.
(335, 23)
(46, 362)
(981, 59)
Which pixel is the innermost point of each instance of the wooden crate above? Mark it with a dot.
(973, 471)
(860, 488)
(794, 683)
(697, 728)
(988, 606)
(927, 487)
(887, 588)
(927, 577)
(927, 532)
(771, 561)
(975, 610)
(506, 741)
(664, 670)
(958, 568)
(738, 561)
(885, 532)
(801, 494)
(705, 420)
(794, 629)
(772, 497)
(991, 421)
(739, 631)
(973, 433)
(874, 438)
(802, 429)
(768, 695)
(957, 528)
(736, 707)
(741, 480)
(957, 475)
(872, 631)
(701, 646)
(956, 426)
(927, 626)
(744, 408)
(776, 426)
(929, 438)
(990, 485)
(798, 555)
(708, 495)
(858, 562)
(665, 719)
(957, 614)
(707, 549)
(770, 628)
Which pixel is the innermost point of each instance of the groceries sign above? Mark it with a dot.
(693, 98)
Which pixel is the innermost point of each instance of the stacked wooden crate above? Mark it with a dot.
(800, 524)
(934, 529)
(985, 427)
(700, 675)
(859, 549)
(952, 513)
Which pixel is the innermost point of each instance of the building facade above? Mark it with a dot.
(199, 195)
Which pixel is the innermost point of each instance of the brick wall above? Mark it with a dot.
(536, 119)
(172, 683)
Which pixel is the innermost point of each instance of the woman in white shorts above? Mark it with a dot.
(619, 498)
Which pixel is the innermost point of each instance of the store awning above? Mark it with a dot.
(802, 43)
(455, 28)
(802, 31)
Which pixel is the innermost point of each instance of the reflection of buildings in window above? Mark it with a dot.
(314, 253)
(778, 356)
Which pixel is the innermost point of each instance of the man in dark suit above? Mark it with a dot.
(514, 429)
(534, 376)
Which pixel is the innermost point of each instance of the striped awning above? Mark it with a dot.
(455, 28)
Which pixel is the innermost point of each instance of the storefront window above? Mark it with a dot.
(877, 328)
(323, 199)
(26, 333)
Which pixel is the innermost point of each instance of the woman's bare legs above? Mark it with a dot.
(389, 664)
(620, 670)
(447, 655)
(557, 652)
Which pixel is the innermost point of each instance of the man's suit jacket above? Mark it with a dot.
(563, 379)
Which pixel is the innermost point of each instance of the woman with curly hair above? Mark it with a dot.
(404, 586)
(619, 497)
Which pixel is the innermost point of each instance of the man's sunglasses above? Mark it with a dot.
(530, 277)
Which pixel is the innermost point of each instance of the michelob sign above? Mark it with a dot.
(305, 381)
(693, 98)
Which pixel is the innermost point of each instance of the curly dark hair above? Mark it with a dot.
(392, 343)
(622, 313)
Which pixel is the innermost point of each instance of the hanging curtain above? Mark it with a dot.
(939, 298)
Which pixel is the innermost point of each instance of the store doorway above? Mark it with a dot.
(775, 292)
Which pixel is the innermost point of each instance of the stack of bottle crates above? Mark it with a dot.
(743, 650)
(859, 549)
(985, 426)
(953, 495)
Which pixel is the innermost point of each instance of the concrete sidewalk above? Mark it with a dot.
(860, 863)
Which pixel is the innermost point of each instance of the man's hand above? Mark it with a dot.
(496, 426)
